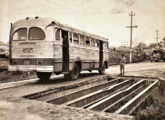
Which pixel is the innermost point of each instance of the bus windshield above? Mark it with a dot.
(20, 34)
(36, 33)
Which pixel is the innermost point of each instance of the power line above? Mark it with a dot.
(131, 28)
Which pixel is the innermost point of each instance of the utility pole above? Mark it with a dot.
(157, 36)
(131, 28)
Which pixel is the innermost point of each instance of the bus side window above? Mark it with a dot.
(70, 37)
(105, 45)
(87, 41)
(58, 35)
(75, 38)
(82, 40)
(92, 42)
(97, 43)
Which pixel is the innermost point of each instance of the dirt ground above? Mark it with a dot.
(18, 109)
(21, 109)
(6, 76)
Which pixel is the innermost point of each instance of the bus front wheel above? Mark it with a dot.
(43, 76)
(74, 74)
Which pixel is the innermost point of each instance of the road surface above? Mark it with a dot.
(139, 69)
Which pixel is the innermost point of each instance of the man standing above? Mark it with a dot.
(122, 64)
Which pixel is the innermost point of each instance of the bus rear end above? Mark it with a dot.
(31, 46)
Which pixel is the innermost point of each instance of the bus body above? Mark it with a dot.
(45, 45)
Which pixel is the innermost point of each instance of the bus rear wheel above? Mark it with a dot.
(43, 76)
(74, 74)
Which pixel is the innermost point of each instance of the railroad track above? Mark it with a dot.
(119, 95)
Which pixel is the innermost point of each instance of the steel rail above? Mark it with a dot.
(130, 106)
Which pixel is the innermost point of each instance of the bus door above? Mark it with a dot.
(101, 54)
(65, 52)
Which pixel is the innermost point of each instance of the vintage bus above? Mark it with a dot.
(47, 46)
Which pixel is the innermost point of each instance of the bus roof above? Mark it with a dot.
(43, 21)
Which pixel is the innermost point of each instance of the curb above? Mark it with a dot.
(22, 82)
(18, 83)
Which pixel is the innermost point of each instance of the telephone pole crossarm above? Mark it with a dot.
(135, 26)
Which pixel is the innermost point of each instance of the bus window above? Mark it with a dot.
(82, 40)
(58, 35)
(70, 37)
(87, 41)
(92, 42)
(97, 43)
(104, 45)
(107, 45)
(75, 38)
(36, 33)
(20, 34)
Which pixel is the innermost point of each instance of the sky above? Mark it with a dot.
(108, 18)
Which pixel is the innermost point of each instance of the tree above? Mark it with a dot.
(2, 43)
(142, 45)
(163, 39)
(152, 45)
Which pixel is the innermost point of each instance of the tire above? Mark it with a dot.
(74, 74)
(102, 70)
(43, 76)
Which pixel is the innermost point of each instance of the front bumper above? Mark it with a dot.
(37, 68)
